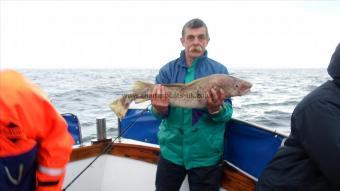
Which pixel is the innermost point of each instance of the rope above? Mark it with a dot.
(107, 148)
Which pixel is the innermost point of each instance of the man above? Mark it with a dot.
(34, 142)
(309, 159)
(191, 140)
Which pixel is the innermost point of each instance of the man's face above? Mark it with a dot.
(195, 41)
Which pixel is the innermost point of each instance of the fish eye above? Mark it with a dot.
(236, 85)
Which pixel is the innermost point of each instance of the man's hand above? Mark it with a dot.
(159, 99)
(215, 100)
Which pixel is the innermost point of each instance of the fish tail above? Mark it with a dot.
(140, 94)
(121, 105)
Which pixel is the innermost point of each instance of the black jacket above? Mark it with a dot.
(310, 157)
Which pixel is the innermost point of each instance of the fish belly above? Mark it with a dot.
(188, 103)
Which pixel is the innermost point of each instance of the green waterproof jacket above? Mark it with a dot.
(191, 137)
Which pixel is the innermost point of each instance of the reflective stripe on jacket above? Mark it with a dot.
(28, 119)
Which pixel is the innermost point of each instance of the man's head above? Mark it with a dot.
(195, 38)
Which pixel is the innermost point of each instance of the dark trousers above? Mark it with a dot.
(169, 177)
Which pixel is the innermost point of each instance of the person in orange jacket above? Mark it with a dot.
(34, 142)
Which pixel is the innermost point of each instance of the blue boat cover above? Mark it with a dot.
(73, 127)
(139, 125)
(247, 147)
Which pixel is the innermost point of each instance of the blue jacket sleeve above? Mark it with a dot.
(163, 75)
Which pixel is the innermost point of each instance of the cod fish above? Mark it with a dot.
(191, 95)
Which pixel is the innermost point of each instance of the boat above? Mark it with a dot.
(128, 162)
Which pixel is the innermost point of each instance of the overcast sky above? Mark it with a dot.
(146, 34)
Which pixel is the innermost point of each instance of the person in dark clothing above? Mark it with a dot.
(310, 157)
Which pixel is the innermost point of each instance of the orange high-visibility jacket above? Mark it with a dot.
(28, 117)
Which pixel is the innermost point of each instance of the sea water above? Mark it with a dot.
(88, 93)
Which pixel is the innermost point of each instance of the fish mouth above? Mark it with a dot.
(245, 88)
(244, 92)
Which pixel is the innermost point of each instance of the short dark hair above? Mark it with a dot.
(194, 24)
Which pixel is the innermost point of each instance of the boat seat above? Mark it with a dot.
(73, 127)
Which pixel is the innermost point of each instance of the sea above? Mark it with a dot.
(87, 93)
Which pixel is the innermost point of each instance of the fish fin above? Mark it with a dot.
(197, 81)
(175, 85)
(140, 86)
(120, 106)
(140, 100)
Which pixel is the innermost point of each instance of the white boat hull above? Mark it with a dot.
(113, 173)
